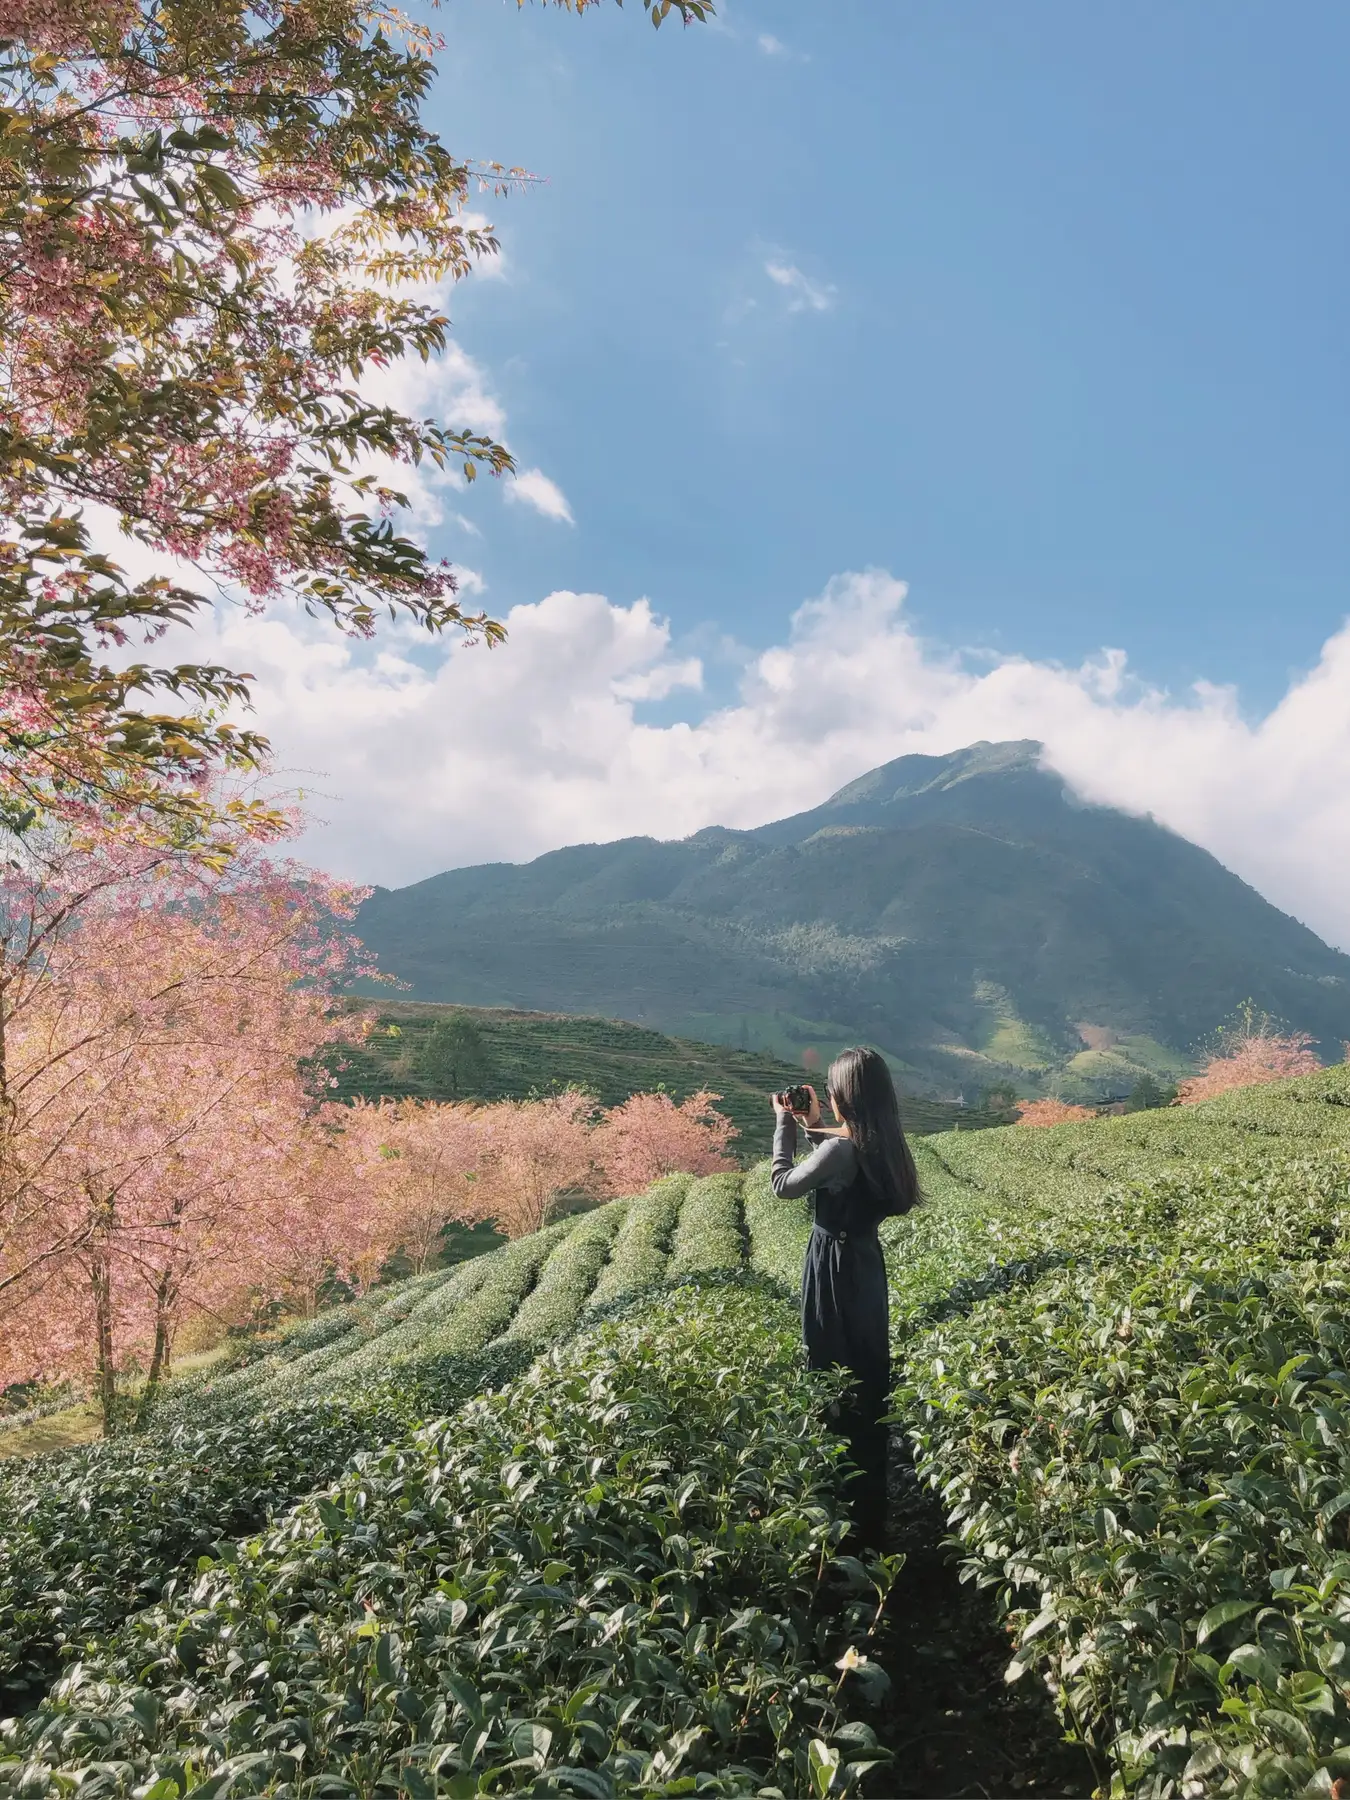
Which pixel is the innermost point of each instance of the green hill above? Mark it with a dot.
(609, 1564)
(523, 1053)
(965, 913)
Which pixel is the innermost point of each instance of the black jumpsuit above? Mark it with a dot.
(845, 1302)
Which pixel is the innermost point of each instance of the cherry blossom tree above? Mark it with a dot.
(649, 1135)
(418, 1163)
(327, 1230)
(425, 1164)
(165, 1142)
(1249, 1058)
(1051, 1112)
(533, 1154)
(216, 216)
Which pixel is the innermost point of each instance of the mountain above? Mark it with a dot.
(966, 913)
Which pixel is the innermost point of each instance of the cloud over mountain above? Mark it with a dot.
(424, 762)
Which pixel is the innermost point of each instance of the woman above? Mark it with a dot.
(861, 1174)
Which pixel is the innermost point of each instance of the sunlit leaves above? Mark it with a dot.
(601, 1579)
(1140, 1432)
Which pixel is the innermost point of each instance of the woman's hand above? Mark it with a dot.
(810, 1118)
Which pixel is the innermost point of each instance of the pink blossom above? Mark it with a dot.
(1051, 1112)
(1249, 1060)
(165, 1151)
(649, 1135)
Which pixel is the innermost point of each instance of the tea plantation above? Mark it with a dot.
(517, 1054)
(564, 1520)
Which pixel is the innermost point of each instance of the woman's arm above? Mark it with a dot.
(822, 1167)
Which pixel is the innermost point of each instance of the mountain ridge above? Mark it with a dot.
(967, 912)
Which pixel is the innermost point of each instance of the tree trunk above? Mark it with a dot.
(100, 1277)
(159, 1356)
(7, 976)
(103, 1212)
(9, 1186)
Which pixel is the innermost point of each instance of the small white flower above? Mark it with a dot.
(851, 1659)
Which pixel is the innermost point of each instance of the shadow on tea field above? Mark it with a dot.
(958, 1729)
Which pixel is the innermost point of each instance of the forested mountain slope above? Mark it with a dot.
(963, 912)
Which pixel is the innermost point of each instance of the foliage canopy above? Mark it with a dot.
(216, 218)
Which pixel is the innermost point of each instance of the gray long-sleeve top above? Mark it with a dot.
(845, 1203)
(832, 1164)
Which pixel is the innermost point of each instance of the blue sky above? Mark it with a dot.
(1068, 353)
(885, 375)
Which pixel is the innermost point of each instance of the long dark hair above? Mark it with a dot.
(863, 1095)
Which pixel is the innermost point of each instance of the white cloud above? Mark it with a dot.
(493, 265)
(531, 487)
(469, 580)
(769, 45)
(455, 391)
(661, 682)
(451, 388)
(806, 295)
(504, 754)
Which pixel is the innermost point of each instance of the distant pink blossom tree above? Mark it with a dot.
(1051, 1112)
(423, 1164)
(1248, 1059)
(325, 1229)
(649, 1136)
(532, 1154)
(417, 1161)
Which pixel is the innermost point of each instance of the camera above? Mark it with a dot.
(797, 1099)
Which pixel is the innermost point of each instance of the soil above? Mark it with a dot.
(955, 1726)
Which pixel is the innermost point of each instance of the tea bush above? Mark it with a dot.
(89, 1537)
(708, 1232)
(457, 1319)
(567, 1279)
(1139, 1435)
(601, 1580)
(1164, 1460)
(642, 1249)
(92, 1535)
(1008, 1205)
(374, 1329)
(1122, 1354)
(778, 1230)
(253, 1362)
